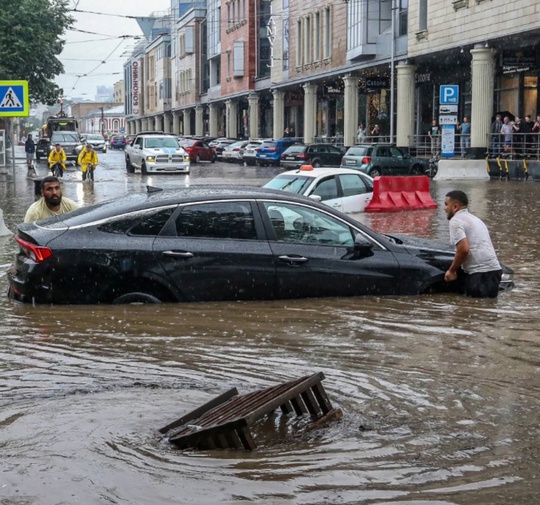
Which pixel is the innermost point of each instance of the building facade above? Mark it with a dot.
(251, 68)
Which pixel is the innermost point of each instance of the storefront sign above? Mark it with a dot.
(377, 83)
(518, 59)
(135, 87)
(425, 77)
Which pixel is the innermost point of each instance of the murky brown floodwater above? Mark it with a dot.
(441, 394)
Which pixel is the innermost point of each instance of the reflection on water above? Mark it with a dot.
(440, 393)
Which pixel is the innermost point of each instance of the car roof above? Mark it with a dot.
(323, 171)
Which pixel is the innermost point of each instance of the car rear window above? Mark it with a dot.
(359, 151)
(186, 142)
(295, 149)
(64, 137)
(268, 144)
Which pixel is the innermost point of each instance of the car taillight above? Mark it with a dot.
(187, 149)
(366, 160)
(272, 149)
(36, 252)
(302, 156)
(236, 149)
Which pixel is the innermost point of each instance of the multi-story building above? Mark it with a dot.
(119, 92)
(250, 68)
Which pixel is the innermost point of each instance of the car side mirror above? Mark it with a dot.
(362, 246)
(317, 198)
(137, 146)
(83, 139)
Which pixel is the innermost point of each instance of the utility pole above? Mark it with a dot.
(102, 121)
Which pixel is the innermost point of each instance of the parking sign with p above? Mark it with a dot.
(449, 94)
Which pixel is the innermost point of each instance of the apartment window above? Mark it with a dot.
(189, 40)
(327, 38)
(238, 58)
(285, 44)
(403, 17)
(317, 37)
(234, 18)
(229, 21)
(243, 9)
(423, 7)
(299, 44)
(307, 39)
(228, 64)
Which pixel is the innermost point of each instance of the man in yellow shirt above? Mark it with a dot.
(57, 160)
(88, 161)
(51, 203)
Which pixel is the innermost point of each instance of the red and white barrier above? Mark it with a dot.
(392, 194)
(4, 232)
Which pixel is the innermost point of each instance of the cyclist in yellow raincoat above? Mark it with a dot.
(88, 161)
(57, 160)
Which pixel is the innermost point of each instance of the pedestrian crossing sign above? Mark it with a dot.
(14, 98)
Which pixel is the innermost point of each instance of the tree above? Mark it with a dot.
(30, 38)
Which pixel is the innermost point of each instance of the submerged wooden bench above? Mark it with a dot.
(224, 421)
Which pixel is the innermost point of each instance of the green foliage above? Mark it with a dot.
(30, 38)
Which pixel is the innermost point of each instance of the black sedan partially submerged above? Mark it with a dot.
(217, 243)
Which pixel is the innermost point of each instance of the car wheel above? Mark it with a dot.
(38, 157)
(316, 164)
(375, 172)
(262, 164)
(136, 297)
(143, 169)
(197, 159)
(129, 167)
(417, 170)
(213, 160)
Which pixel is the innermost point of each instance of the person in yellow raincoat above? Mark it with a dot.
(57, 160)
(88, 161)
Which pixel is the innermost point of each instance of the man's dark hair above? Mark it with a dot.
(458, 196)
(49, 178)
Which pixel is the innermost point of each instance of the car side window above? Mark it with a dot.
(139, 142)
(233, 220)
(396, 152)
(326, 189)
(139, 223)
(153, 224)
(352, 184)
(383, 152)
(305, 225)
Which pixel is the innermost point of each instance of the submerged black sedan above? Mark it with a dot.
(217, 243)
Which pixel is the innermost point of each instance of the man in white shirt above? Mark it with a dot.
(51, 203)
(475, 254)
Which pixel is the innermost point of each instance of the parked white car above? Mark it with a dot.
(344, 190)
(156, 153)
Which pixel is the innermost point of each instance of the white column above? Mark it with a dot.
(405, 104)
(483, 66)
(253, 100)
(278, 113)
(350, 104)
(176, 122)
(232, 118)
(187, 121)
(310, 110)
(144, 125)
(199, 123)
(212, 119)
(166, 122)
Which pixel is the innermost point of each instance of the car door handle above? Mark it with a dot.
(293, 259)
(178, 254)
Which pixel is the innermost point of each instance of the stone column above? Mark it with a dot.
(212, 119)
(232, 118)
(187, 121)
(167, 122)
(310, 111)
(138, 127)
(144, 124)
(253, 100)
(278, 113)
(350, 104)
(199, 124)
(483, 66)
(405, 104)
(176, 122)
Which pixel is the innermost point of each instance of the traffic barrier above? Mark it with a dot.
(4, 232)
(392, 194)
(461, 169)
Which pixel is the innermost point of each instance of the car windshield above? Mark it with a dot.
(358, 151)
(64, 137)
(156, 143)
(291, 183)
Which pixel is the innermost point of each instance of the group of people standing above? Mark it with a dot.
(514, 136)
(463, 129)
(362, 136)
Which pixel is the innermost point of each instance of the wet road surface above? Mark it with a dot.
(441, 394)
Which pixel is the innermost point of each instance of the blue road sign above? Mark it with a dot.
(122, 130)
(14, 98)
(449, 94)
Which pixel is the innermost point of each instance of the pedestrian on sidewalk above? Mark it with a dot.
(475, 267)
(30, 150)
(465, 140)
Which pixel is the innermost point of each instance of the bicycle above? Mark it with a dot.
(433, 166)
(89, 173)
(57, 170)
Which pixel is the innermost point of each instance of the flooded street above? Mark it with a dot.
(440, 393)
